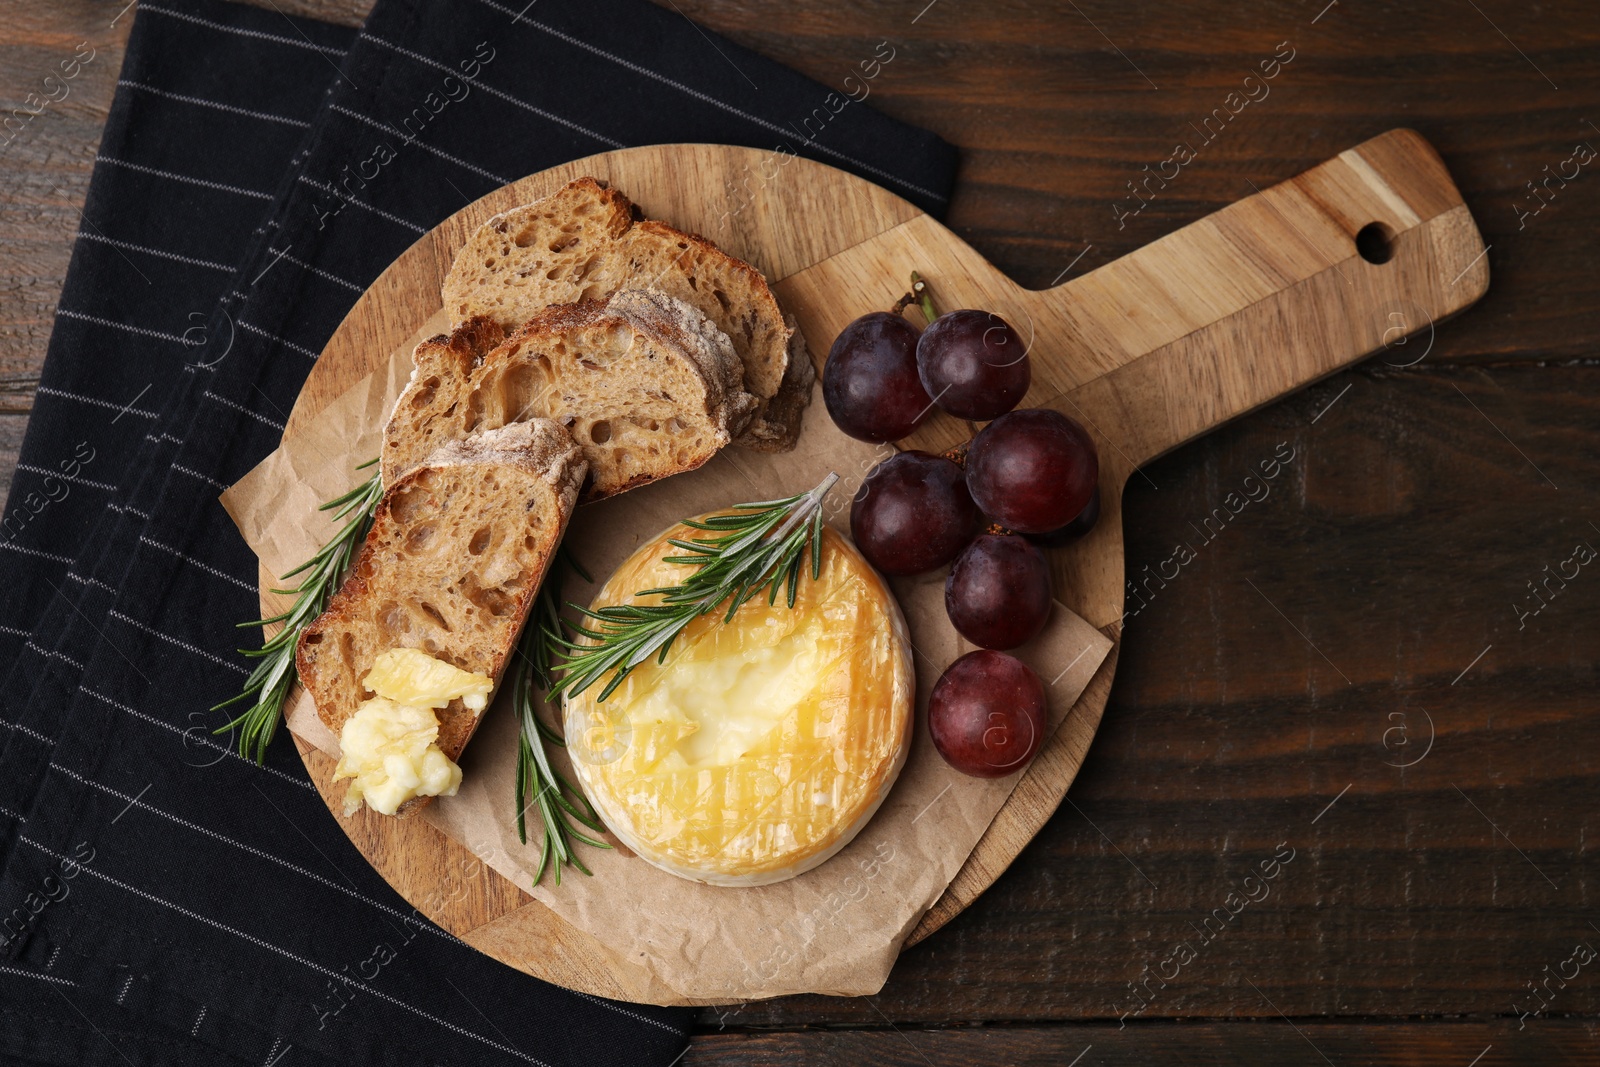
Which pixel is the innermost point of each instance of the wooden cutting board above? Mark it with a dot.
(1155, 349)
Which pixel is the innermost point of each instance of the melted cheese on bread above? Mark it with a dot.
(387, 747)
(762, 745)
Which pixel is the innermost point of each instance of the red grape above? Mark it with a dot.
(913, 513)
(998, 592)
(870, 382)
(1073, 530)
(1032, 470)
(973, 364)
(987, 714)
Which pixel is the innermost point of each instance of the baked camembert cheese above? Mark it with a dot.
(387, 747)
(763, 744)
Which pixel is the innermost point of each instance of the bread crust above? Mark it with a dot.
(587, 241)
(652, 311)
(647, 384)
(546, 460)
(786, 411)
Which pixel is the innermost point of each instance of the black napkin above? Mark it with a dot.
(163, 900)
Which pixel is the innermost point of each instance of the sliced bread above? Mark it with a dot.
(648, 386)
(457, 550)
(587, 241)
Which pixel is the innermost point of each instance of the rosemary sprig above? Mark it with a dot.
(758, 546)
(560, 803)
(274, 675)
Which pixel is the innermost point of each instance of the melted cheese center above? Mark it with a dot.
(727, 702)
(762, 744)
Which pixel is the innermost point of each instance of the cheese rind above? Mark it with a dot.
(761, 745)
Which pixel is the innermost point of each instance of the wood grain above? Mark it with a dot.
(1150, 351)
(1415, 505)
(11, 429)
(1054, 118)
(46, 169)
(1395, 542)
(1272, 1040)
(1052, 123)
(446, 882)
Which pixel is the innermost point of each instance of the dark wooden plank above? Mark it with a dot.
(46, 164)
(1054, 121)
(1396, 540)
(1490, 1043)
(343, 12)
(11, 429)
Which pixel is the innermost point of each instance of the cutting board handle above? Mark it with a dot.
(1263, 297)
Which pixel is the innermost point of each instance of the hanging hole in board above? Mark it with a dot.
(1375, 242)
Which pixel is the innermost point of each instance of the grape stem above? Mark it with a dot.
(919, 289)
(919, 296)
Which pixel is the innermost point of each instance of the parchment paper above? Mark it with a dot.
(836, 929)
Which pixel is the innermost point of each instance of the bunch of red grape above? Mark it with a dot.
(1033, 473)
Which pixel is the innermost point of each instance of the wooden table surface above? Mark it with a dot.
(1375, 610)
